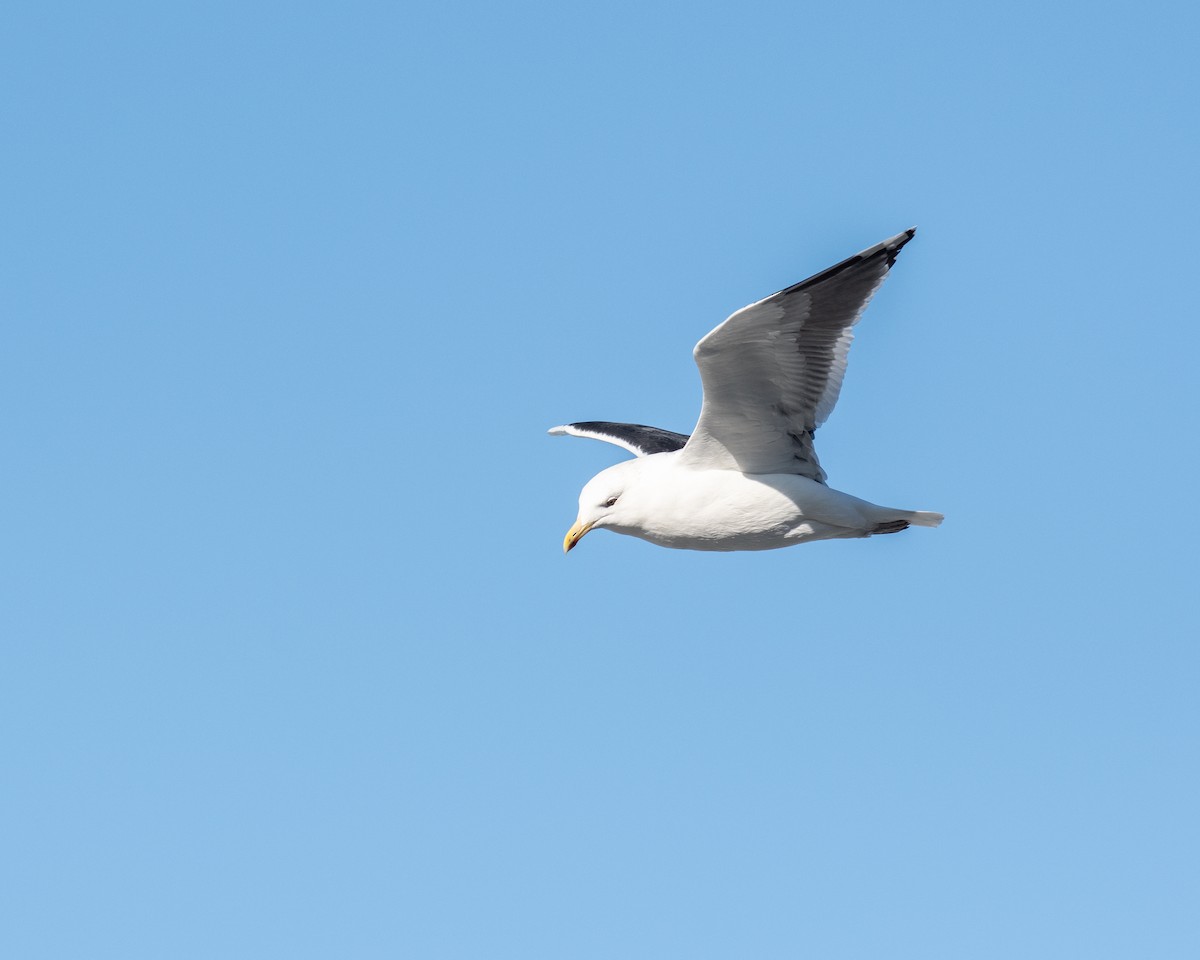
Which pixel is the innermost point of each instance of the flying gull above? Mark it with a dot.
(748, 477)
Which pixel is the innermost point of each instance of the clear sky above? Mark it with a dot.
(292, 662)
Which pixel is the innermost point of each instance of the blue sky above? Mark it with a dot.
(293, 664)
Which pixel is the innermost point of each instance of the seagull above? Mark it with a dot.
(748, 477)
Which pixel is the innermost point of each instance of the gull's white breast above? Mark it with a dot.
(726, 510)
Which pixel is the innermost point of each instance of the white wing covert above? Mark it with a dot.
(773, 370)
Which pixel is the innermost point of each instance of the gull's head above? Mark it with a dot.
(610, 499)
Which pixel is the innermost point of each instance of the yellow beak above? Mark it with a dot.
(574, 535)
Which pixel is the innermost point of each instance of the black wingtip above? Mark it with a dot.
(896, 244)
(888, 250)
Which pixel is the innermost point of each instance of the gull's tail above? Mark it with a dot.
(901, 520)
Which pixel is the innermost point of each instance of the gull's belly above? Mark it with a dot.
(725, 510)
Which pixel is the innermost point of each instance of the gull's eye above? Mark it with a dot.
(611, 501)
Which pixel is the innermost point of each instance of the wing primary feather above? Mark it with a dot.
(637, 438)
(890, 247)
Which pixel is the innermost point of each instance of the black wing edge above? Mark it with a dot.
(889, 249)
(636, 437)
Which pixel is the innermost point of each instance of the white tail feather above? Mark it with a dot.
(924, 518)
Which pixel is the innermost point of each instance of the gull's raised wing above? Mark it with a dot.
(773, 370)
(634, 437)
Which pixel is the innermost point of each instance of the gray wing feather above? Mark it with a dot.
(772, 371)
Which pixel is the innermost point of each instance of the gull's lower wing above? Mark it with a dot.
(634, 437)
(773, 370)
